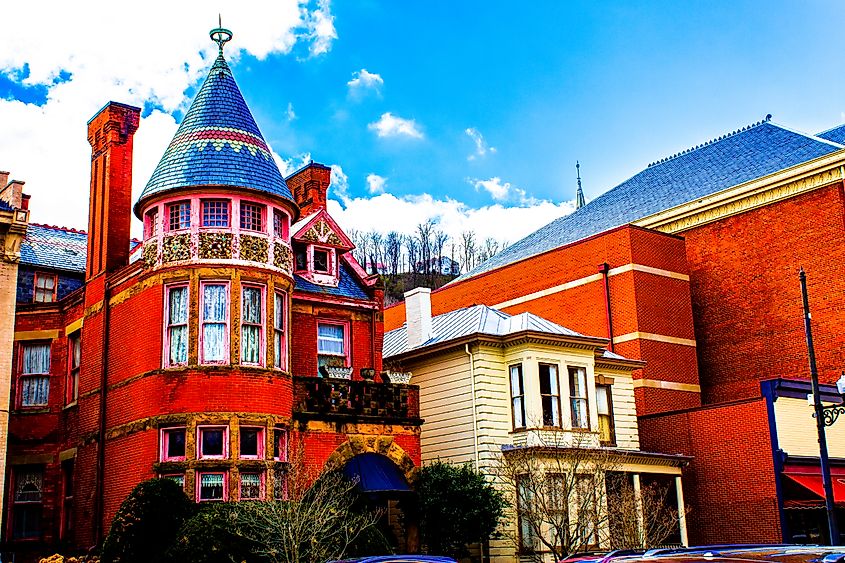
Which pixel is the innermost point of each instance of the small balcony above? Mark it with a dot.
(327, 398)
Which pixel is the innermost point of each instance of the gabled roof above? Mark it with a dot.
(348, 285)
(321, 228)
(477, 319)
(217, 144)
(836, 134)
(55, 248)
(750, 153)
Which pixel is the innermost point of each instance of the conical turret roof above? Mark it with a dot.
(217, 144)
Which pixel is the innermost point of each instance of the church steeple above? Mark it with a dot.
(579, 194)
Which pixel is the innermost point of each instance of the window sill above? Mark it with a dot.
(70, 405)
(32, 410)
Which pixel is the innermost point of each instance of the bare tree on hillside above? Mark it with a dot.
(467, 250)
(439, 239)
(424, 239)
(393, 251)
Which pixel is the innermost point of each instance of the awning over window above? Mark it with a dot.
(375, 474)
(810, 478)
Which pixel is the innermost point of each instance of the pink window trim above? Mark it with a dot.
(283, 444)
(285, 220)
(225, 475)
(261, 487)
(347, 345)
(226, 353)
(164, 441)
(191, 211)
(201, 203)
(331, 257)
(165, 353)
(283, 352)
(262, 325)
(225, 430)
(262, 214)
(261, 441)
(72, 381)
(151, 221)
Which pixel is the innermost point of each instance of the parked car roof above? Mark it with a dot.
(752, 553)
(399, 559)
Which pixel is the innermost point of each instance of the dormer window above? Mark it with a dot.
(179, 215)
(252, 217)
(321, 261)
(215, 213)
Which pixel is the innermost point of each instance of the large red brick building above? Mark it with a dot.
(239, 333)
(692, 265)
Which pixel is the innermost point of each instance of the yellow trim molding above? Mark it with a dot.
(651, 336)
(37, 334)
(671, 385)
(74, 326)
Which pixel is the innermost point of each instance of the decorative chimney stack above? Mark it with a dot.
(110, 134)
(418, 316)
(309, 186)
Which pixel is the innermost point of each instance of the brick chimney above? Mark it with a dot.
(309, 186)
(109, 208)
(418, 316)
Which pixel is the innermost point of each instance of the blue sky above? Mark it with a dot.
(615, 85)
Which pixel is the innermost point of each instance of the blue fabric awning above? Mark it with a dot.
(375, 473)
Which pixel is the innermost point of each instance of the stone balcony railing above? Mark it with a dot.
(326, 398)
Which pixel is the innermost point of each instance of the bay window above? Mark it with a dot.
(251, 486)
(213, 442)
(279, 348)
(178, 478)
(332, 349)
(215, 213)
(578, 397)
(549, 395)
(27, 502)
(252, 324)
(251, 443)
(517, 396)
(179, 215)
(177, 325)
(211, 486)
(280, 444)
(252, 217)
(215, 323)
(151, 223)
(280, 224)
(173, 444)
(604, 412)
(35, 374)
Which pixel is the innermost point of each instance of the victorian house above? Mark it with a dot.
(238, 333)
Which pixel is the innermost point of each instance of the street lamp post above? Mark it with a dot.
(820, 417)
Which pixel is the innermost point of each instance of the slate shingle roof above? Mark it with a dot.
(218, 143)
(752, 152)
(477, 319)
(837, 134)
(54, 248)
(5, 206)
(348, 285)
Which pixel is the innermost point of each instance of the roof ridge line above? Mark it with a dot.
(813, 136)
(60, 228)
(767, 119)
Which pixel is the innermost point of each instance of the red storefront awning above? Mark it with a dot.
(811, 478)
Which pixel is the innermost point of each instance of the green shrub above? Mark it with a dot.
(456, 506)
(217, 533)
(147, 522)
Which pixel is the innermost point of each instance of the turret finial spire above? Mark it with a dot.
(579, 195)
(220, 35)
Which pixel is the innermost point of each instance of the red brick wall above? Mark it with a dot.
(747, 298)
(730, 483)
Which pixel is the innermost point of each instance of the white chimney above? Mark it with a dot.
(418, 316)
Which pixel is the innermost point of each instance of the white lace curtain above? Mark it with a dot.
(251, 326)
(330, 339)
(36, 358)
(214, 337)
(35, 381)
(178, 325)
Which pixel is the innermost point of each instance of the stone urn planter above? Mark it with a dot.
(339, 372)
(399, 376)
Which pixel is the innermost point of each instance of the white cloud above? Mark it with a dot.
(289, 113)
(376, 183)
(402, 214)
(390, 125)
(131, 69)
(290, 165)
(339, 185)
(503, 191)
(481, 147)
(364, 80)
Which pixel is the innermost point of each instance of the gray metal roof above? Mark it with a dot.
(478, 319)
(750, 153)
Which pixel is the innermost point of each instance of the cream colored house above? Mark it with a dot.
(490, 382)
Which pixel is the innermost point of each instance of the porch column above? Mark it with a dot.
(682, 515)
(638, 507)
